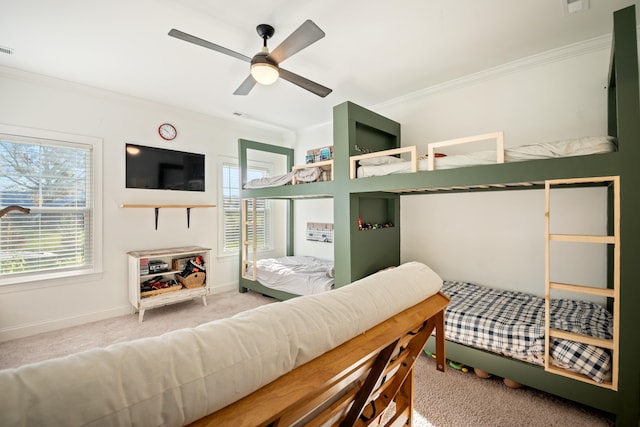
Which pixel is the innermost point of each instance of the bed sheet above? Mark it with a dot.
(547, 150)
(300, 275)
(271, 181)
(512, 324)
(302, 175)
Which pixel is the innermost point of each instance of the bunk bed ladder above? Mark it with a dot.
(249, 248)
(612, 293)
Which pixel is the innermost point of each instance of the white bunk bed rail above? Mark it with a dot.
(388, 162)
(497, 136)
(413, 152)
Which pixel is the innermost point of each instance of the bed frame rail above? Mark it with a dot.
(412, 150)
(351, 385)
(498, 136)
(431, 154)
(325, 165)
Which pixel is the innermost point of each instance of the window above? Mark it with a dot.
(54, 179)
(231, 221)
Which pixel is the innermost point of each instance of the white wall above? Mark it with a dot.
(560, 94)
(312, 210)
(496, 238)
(42, 103)
(317, 210)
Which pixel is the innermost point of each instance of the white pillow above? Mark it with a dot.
(381, 160)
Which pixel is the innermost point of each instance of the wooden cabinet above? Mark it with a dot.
(143, 301)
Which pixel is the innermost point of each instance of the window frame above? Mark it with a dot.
(269, 221)
(62, 139)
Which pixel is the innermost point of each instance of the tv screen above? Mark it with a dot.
(162, 169)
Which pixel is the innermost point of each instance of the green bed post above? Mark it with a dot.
(244, 146)
(361, 253)
(624, 120)
(341, 230)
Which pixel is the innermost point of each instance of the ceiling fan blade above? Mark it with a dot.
(201, 42)
(307, 84)
(246, 86)
(306, 34)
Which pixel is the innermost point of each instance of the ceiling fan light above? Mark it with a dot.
(264, 73)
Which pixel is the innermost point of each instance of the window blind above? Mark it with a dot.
(54, 180)
(231, 210)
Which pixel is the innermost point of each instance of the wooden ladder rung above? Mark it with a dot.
(585, 339)
(590, 180)
(580, 238)
(602, 292)
(576, 376)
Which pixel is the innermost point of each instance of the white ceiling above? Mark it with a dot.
(374, 51)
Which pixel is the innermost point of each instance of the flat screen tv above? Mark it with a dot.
(162, 169)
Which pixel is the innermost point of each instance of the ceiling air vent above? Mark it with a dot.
(6, 50)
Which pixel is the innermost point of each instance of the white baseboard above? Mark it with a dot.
(226, 287)
(22, 331)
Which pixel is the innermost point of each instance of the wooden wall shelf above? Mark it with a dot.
(157, 207)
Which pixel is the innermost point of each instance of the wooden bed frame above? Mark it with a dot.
(351, 385)
(358, 253)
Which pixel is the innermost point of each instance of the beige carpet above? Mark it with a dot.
(442, 400)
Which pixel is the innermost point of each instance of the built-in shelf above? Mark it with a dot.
(157, 207)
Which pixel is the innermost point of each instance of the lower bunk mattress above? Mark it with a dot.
(299, 275)
(512, 324)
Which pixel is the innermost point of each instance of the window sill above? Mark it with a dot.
(32, 282)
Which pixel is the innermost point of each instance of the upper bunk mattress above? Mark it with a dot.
(310, 174)
(512, 324)
(300, 275)
(547, 150)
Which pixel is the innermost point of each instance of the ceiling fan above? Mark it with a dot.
(265, 65)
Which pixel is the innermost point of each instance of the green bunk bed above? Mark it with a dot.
(289, 193)
(376, 200)
(615, 170)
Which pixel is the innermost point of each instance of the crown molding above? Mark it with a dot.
(519, 65)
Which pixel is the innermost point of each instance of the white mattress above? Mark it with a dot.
(270, 181)
(302, 175)
(547, 150)
(300, 275)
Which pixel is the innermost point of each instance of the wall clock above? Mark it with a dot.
(167, 131)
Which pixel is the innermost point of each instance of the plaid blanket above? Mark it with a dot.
(512, 324)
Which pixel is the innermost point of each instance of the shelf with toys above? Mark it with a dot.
(166, 276)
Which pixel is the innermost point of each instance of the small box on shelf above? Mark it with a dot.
(157, 266)
(319, 154)
(179, 263)
(193, 280)
(191, 271)
(144, 266)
